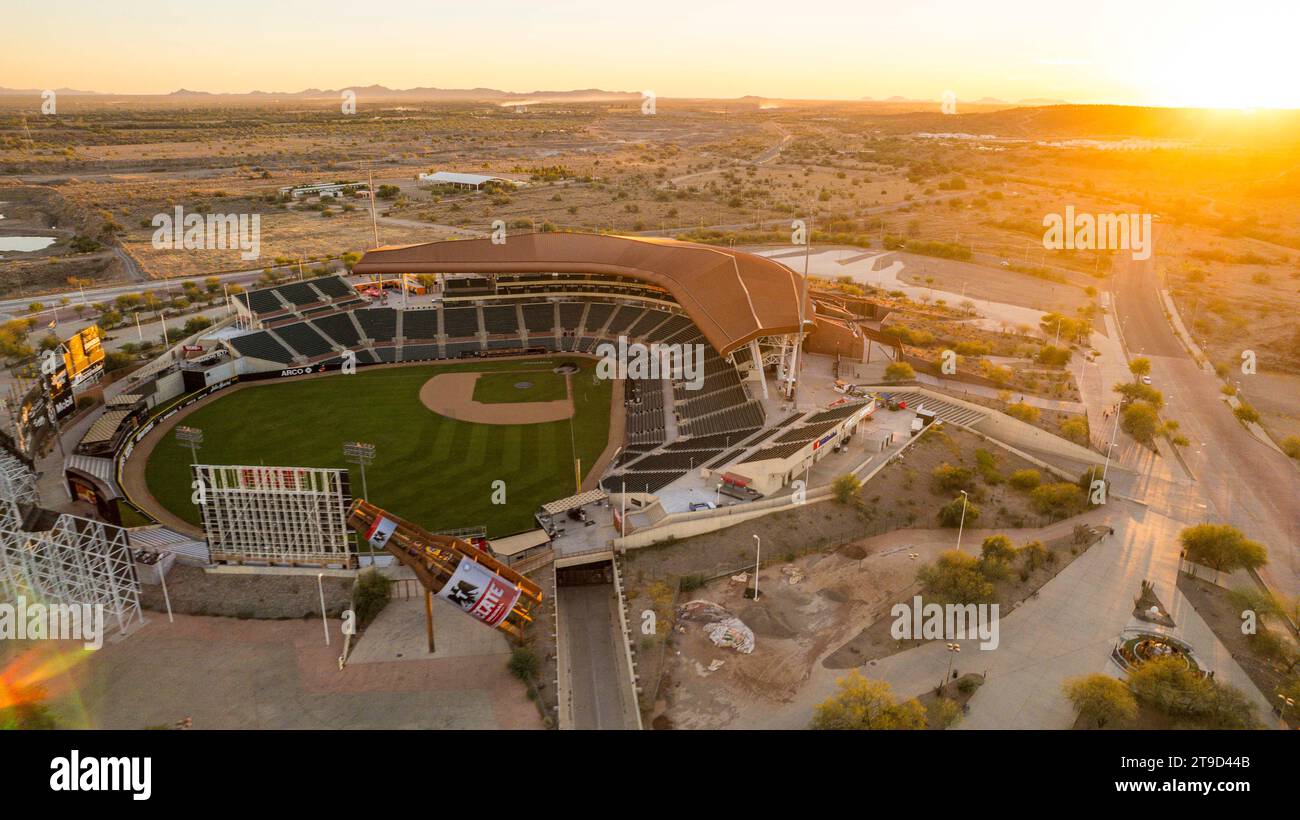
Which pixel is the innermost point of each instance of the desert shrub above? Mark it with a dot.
(371, 595)
(523, 663)
(1025, 479)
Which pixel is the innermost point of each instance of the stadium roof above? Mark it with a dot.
(517, 543)
(731, 296)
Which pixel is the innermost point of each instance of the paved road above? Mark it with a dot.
(591, 632)
(1242, 481)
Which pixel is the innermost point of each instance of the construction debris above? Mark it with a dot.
(733, 633)
(723, 628)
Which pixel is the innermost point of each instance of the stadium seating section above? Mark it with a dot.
(716, 422)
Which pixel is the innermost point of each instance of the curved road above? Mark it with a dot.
(1240, 480)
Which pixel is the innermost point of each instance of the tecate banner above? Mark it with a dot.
(480, 592)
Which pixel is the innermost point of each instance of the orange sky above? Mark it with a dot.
(1160, 52)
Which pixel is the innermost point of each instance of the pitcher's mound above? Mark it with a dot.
(452, 395)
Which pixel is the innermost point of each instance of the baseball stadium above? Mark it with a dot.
(458, 384)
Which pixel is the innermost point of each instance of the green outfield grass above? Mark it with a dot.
(499, 388)
(434, 471)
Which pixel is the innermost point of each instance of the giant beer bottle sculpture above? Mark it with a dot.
(452, 569)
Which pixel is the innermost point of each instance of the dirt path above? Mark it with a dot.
(452, 395)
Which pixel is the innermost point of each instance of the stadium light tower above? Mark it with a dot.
(360, 454)
(192, 436)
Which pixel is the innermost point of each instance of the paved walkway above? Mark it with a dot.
(1068, 630)
(227, 673)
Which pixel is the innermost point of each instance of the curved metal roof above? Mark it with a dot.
(732, 296)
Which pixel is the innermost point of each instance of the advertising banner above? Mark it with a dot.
(480, 592)
(380, 531)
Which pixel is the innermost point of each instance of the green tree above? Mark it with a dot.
(1053, 356)
(997, 548)
(1075, 430)
(948, 478)
(1139, 367)
(1140, 421)
(956, 578)
(1024, 412)
(1058, 500)
(862, 703)
(1101, 699)
(899, 372)
(1026, 479)
(845, 487)
(1137, 391)
(1222, 547)
(1170, 685)
(1035, 555)
(950, 514)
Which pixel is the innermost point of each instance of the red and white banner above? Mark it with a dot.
(480, 592)
(380, 531)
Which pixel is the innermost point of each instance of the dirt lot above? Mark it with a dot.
(835, 596)
(900, 496)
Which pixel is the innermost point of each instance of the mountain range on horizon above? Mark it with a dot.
(479, 94)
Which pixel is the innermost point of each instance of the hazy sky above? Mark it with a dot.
(1159, 52)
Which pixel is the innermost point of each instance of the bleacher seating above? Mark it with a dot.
(775, 451)
(261, 345)
(379, 324)
(597, 315)
(339, 328)
(571, 314)
(302, 337)
(416, 353)
(459, 322)
(639, 482)
(333, 287)
(715, 424)
(644, 406)
(665, 461)
(261, 301)
(499, 319)
(622, 320)
(539, 318)
(419, 324)
(299, 293)
(641, 328)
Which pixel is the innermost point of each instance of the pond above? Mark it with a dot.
(26, 244)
